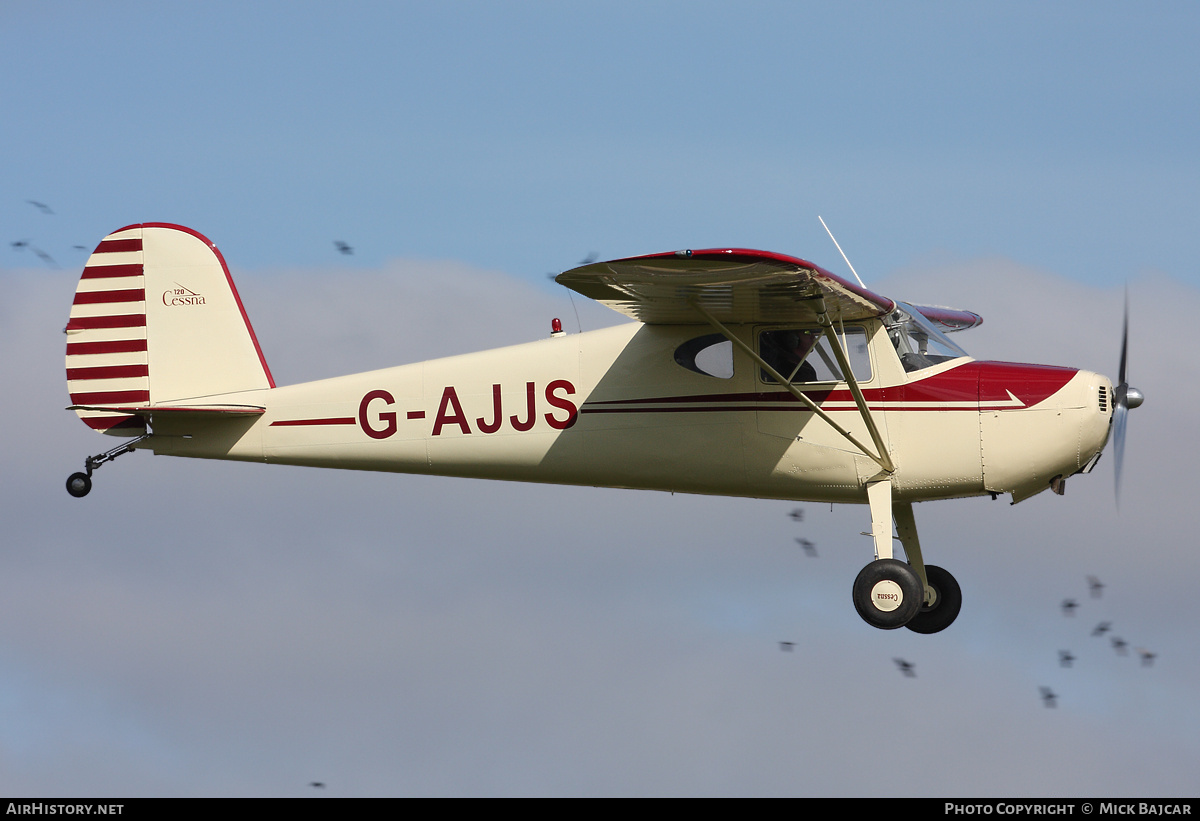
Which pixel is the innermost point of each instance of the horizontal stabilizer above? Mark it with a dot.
(230, 411)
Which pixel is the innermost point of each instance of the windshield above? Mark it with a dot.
(918, 343)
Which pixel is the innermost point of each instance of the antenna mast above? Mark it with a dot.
(840, 251)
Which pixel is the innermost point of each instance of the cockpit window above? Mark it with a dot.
(918, 343)
(804, 355)
(711, 355)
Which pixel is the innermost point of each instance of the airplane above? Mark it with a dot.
(746, 373)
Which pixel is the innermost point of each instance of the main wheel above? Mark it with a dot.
(79, 484)
(943, 610)
(887, 594)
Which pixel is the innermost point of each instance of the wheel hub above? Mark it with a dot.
(886, 595)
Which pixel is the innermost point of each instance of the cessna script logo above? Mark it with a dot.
(179, 295)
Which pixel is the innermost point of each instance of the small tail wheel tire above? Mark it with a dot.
(79, 485)
(941, 612)
(888, 594)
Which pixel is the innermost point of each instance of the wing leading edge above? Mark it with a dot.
(733, 285)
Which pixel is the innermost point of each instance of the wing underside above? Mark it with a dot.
(732, 285)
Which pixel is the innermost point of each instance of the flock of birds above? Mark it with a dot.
(27, 244)
(341, 246)
(1103, 628)
(1065, 657)
(810, 550)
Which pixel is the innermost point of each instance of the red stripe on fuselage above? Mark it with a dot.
(969, 387)
(287, 423)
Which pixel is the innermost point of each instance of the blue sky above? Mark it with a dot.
(219, 629)
(523, 136)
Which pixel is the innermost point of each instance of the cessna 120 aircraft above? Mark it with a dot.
(746, 374)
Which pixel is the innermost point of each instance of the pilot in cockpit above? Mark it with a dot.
(787, 352)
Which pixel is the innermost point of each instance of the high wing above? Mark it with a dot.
(733, 285)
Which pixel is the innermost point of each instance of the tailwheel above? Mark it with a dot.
(942, 604)
(79, 485)
(888, 594)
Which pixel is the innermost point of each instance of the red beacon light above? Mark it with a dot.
(556, 327)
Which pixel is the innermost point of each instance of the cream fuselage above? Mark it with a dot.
(613, 408)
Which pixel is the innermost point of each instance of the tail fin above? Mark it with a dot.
(156, 320)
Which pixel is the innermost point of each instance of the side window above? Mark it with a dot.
(804, 355)
(711, 355)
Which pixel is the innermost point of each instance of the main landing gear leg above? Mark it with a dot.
(80, 484)
(943, 598)
(889, 593)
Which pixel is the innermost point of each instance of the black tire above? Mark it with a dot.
(888, 594)
(79, 485)
(947, 602)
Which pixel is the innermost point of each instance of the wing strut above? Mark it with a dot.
(883, 460)
(826, 323)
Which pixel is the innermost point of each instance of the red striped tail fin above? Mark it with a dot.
(156, 320)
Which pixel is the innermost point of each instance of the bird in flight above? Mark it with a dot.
(906, 667)
(42, 255)
(810, 549)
